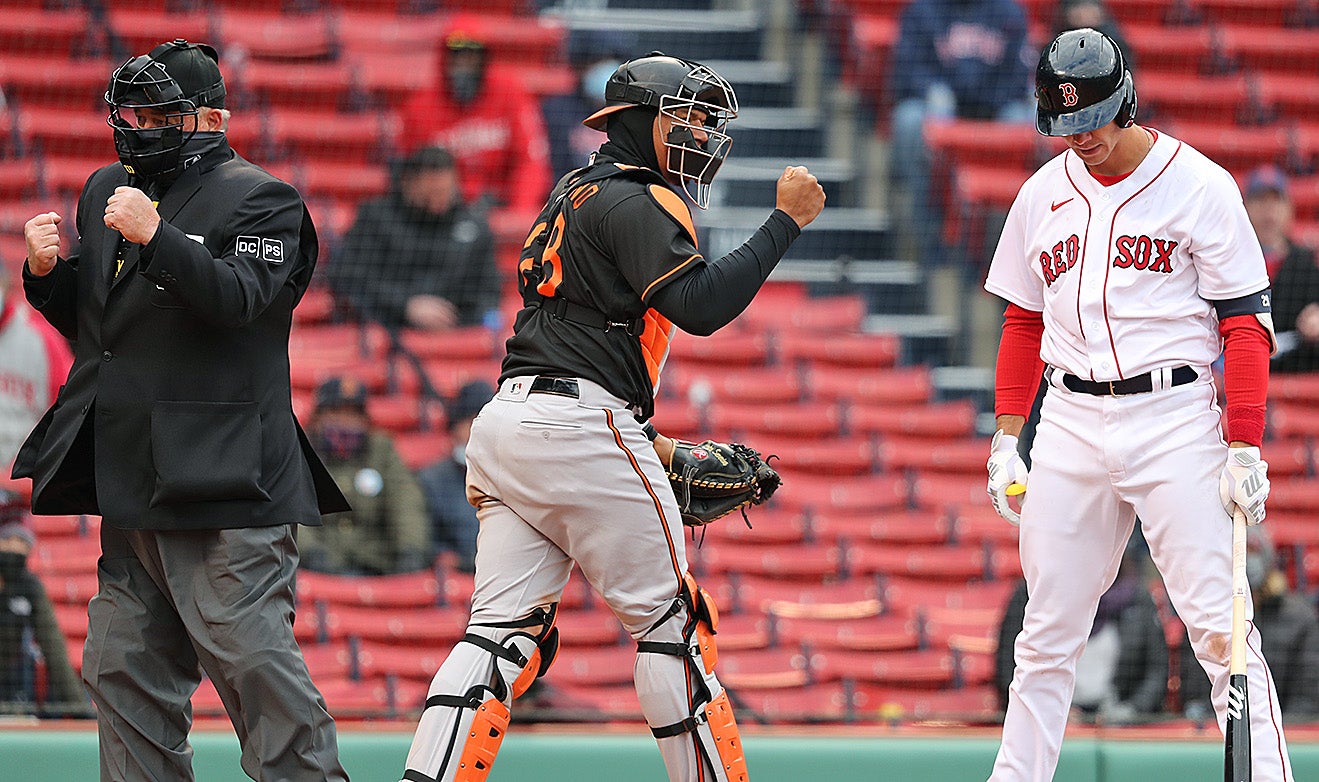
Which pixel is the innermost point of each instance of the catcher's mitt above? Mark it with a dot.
(713, 479)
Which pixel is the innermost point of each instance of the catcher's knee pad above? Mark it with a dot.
(460, 734)
(710, 716)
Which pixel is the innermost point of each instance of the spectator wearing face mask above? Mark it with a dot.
(1289, 635)
(452, 517)
(487, 118)
(386, 531)
(28, 629)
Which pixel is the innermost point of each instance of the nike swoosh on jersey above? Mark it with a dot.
(1060, 205)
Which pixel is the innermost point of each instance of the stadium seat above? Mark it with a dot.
(468, 342)
(139, 29)
(363, 31)
(744, 632)
(929, 668)
(769, 525)
(948, 490)
(421, 449)
(614, 702)
(1256, 46)
(979, 522)
(346, 698)
(1014, 145)
(589, 627)
(737, 385)
(935, 421)
(875, 351)
(803, 561)
(47, 33)
(940, 563)
(448, 376)
(807, 420)
(969, 704)
(307, 91)
(72, 620)
(1297, 388)
(907, 596)
(872, 633)
(1143, 12)
(65, 555)
(1176, 95)
(1293, 528)
(846, 455)
(1293, 420)
(818, 703)
(722, 349)
(970, 630)
(418, 627)
(70, 587)
(966, 456)
(329, 660)
(1183, 49)
(375, 659)
(18, 178)
(840, 599)
(894, 386)
(349, 179)
(389, 79)
(829, 314)
(405, 590)
(899, 528)
(594, 667)
(877, 494)
(1294, 494)
(1235, 148)
(765, 669)
(48, 527)
(269, 34)
(678, 420)
(69, 132)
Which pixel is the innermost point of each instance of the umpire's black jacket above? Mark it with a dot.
(177, 413)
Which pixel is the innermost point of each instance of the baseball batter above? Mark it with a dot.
(1129, 265)
(561, 466)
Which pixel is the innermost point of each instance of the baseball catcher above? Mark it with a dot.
(711, 480)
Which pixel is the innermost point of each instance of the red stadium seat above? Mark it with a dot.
(52, 34)
(875, 494)
(896, 386)
(405, 590)
(65, 555)
(843, 599)
(1290, 93)
(749, 385)
(765, 669)
(469, 342)
(391, 78)
(934, 668)
(770, 525)
(1178, 95)
(1292, 528)
(935, 421)
(945, 563)
(268, 34)
(1294, 494)
(850, 350)
(47, 527)
(1235, 148)
(971, 704)
(975, 523)
(141, 29)
(970, 630)
(830, 314)
(422, 449)
(814, 704)
(908, 596)
(918, 453)
(328, 660)
(343, 179)
(72, 620)
(614, 702)
(1297, 388)
(1265, 13)
(18, 178)
(69, 132)
(743, 632)
(1009, 144)
(847, 455)
(1143, 12)
(948, 490)
(804, 561)
(318, 87)
(594, 667)
(371, 33)
(346, 698)
(901, 528)
(76, 588)
(425, 627)
(1170, 48)
(375, 659)
(677, 420)
(800, 420)
(722, 349)
(870, 49)
(515, 39)
(872, 634)
(1293, 420)
(589, 627)
(1257, 46)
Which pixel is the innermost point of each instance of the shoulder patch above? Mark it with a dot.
(272, 250)
(675, 207)
(248, 247)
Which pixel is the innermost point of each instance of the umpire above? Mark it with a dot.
(175, 424)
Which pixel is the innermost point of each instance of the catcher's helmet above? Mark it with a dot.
(175, 78)
(676, 87)
(1081, 84)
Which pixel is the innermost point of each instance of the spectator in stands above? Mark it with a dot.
(1289, 638)
(386, 531)
(1122, 676)
(419, 256)
(962, 59)
(34, 360)
(490, 121)
(594, 58)
(1074, 14)
(1292, 269)
(27, 625)
(452, 517)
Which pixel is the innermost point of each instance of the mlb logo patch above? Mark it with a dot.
(248, 246)
(272, 250)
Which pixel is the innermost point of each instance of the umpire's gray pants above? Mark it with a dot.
(172, 604)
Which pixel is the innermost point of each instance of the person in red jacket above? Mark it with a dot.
(490, 121)
(34, 360)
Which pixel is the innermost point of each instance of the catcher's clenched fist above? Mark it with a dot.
(42, 235)
(132, 214)
(799, 195)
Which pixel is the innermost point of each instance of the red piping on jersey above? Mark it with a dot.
(1109, 266)
(1085, 241)
(659, 506)
(1269, 678)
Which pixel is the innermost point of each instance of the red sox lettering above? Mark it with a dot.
(1062, 258)
(1144, 253)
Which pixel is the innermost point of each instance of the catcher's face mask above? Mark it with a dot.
(696, 141)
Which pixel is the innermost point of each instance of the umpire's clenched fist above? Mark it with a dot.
(800, 195)
(42, 234)
(132, 214)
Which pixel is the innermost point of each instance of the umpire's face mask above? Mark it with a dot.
(160, 154)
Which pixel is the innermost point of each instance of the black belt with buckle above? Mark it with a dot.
(561, 386)
(1140, 384)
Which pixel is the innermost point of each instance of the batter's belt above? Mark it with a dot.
(1140, 384)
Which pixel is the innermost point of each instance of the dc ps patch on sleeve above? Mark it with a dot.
(248, 247)
(272, 250)
(259, 247)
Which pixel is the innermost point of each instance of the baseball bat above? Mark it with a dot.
(1236, 767)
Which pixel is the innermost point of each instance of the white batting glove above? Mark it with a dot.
(1006, 469)
(1244, 483)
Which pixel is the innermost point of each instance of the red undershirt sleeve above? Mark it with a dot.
(1017, 373)
(1246, 349)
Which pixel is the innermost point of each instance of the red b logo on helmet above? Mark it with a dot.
(1069, 93)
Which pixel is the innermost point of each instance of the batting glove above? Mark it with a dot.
(1244, 483)
(1005, 469)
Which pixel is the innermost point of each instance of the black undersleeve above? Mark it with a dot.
(708, 297)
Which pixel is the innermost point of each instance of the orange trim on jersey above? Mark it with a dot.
(654, 339)
(659, 506)
(676, 208)
(666, 275)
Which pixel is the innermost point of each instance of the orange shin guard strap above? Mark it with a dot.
(483, 740)
(727, 740)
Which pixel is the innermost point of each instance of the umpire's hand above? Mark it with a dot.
(132, 214)
(42, 234)
(800, 195)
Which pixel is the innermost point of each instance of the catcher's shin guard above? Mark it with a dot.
(688, 710)
(459, 735)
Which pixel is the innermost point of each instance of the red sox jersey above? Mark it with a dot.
(34, 359)
(1125, 274)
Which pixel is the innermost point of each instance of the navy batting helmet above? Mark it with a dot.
(1081, 84)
